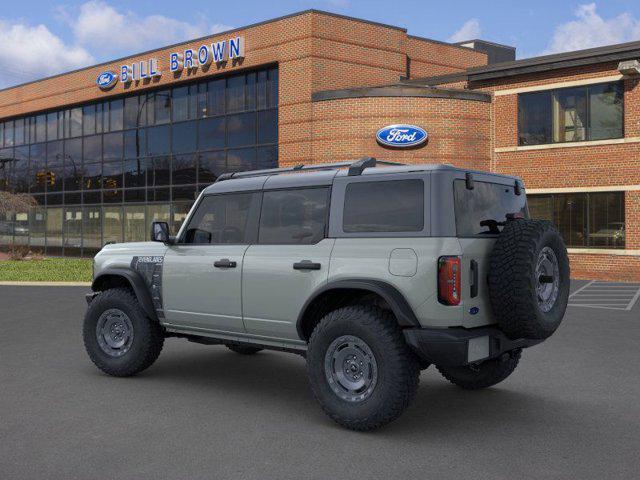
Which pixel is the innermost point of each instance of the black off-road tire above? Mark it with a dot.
(485, 375)
(243, 349)
(398, 369)
(148, 336)
(513, 279)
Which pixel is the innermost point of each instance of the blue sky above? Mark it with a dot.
(43, 37)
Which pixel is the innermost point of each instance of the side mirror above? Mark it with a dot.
(160, 232)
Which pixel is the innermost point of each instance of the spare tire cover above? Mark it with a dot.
(529, 279)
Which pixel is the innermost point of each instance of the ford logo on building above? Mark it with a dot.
(106, 80)
(401, 136)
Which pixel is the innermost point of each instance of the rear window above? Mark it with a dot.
(483, 210)
(390, 206)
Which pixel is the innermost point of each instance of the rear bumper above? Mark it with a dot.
(454, 347)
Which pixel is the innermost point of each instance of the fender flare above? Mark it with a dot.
(136, 282)
(396, 301)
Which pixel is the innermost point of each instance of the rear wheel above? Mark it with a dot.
(361, 371)
(243, 349)
(118, 336)
(487, 374)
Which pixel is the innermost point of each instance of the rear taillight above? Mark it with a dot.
(449, 280)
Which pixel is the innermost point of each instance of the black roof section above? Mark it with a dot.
(590, 56)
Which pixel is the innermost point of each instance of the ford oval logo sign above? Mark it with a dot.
(401, 136)
(106, 80)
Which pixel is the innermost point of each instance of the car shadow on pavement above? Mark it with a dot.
(271, 381)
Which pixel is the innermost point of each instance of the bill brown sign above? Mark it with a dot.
(189, 59)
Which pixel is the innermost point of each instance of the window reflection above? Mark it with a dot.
(149, 150)
(593, 220)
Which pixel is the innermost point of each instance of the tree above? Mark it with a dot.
(15, 202)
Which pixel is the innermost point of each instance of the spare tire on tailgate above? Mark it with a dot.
(529, 279)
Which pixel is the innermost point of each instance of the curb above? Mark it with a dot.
(46, 284)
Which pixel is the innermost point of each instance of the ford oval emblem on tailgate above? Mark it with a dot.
(401, 136)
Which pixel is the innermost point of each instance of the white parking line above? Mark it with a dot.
(634, 300)
(612, 296)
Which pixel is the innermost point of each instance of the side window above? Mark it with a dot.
(389, 206)
(297, 216)
(220, 219)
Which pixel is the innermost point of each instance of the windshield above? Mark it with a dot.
(483, 210)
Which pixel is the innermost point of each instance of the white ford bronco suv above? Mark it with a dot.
(371, 270)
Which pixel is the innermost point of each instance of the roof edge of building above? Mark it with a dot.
(441, 42)
(225, 32)
(556, 61)
(436, 79)
(400, 90)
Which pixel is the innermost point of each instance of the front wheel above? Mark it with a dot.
(487, 374)
(361, 371)
(118, 336)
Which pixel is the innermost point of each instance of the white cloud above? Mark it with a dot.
(107, 31)
(591, 30)
(29, 52)
(98, 32)
(469, 31)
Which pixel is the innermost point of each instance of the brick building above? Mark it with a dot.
(106, 150)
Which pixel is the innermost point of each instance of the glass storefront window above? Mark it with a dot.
(112, 225)
(73, 231)
(585, 220)
(180, 104)
(210, 166)
(215, 97)
(131, 112)
(184, 137)
(183, 169)
(89, 164)
(241, 130)
(606, 107)
(21, 228)
(162, 107)
(91, 229)
(134, 223)
(6, 229)
(54, 231)
(211, 133)
(592, 112)
(116, 118)
(37, 227)
(19, 131)
(112, 144)
(158, 140)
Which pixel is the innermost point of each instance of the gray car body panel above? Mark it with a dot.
(261, 300)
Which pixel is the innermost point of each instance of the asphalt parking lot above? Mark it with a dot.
(571, 410)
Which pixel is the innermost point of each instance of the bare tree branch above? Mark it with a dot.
(16, 202)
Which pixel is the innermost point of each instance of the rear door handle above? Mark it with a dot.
(474, 279)
(224, 263)
(306, 265)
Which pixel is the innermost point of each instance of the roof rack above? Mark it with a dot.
(355, 168)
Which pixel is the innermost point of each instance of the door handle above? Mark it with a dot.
(474, 279)
(224, 263)
(306, 265)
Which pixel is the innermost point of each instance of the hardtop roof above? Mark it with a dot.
(325, 175)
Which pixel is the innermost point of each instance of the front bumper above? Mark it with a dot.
(454, 347)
